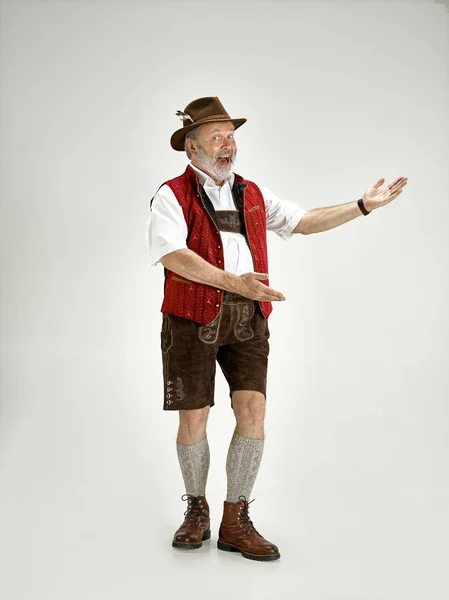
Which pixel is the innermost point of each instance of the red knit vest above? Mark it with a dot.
(197, 301)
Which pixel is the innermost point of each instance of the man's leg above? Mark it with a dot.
(193, 455)
(237, 532)
(189, 376)
(193, 449)
(246, 448)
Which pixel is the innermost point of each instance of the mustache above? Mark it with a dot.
(232, 154)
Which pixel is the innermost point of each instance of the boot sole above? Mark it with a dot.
(230, 548)
(206, 536)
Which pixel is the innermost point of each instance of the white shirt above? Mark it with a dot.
(166, 229)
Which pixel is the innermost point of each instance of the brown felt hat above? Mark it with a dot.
(198, 112)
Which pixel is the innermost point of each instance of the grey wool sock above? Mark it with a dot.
(194, 462)
(242, 466)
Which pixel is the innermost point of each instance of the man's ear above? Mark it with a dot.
(191, 146)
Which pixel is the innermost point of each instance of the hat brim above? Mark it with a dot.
(178, 138)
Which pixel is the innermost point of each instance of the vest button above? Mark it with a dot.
(218, 291)
(219, 262)
(219, 247)
(217, 305)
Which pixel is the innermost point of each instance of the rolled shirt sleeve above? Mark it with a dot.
(282, 215)
(166, 229)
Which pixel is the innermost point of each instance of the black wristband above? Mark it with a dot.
(362, 207)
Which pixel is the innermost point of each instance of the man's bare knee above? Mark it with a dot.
(194, 417)
(249, 408)
(192, 425)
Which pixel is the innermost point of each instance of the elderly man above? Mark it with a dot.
(208, 229)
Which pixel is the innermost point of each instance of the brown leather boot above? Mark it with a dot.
(196, 526)
(238, 534)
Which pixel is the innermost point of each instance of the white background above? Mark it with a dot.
(354, 483)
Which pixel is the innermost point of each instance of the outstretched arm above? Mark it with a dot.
(323, 219)
(190, 265)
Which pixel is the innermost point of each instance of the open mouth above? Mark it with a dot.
(223, 161)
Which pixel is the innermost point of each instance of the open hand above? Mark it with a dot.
(375, 196)
(250, 286)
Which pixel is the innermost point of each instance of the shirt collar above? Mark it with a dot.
(207, 181)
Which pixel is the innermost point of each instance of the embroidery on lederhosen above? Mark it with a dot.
(209, 333)
(179, 389)
(242, 329)
(166, 333)
(230, 220)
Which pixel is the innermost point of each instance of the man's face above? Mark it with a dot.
(215, 150)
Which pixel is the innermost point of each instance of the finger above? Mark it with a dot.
(393, 196)
(271, 293)
(398, 186)
(265, 298)
(268, 294)
(401, 181)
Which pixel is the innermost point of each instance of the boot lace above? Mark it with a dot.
(195, 509)
(243, 517)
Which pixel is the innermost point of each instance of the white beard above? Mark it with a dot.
(210, 165)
